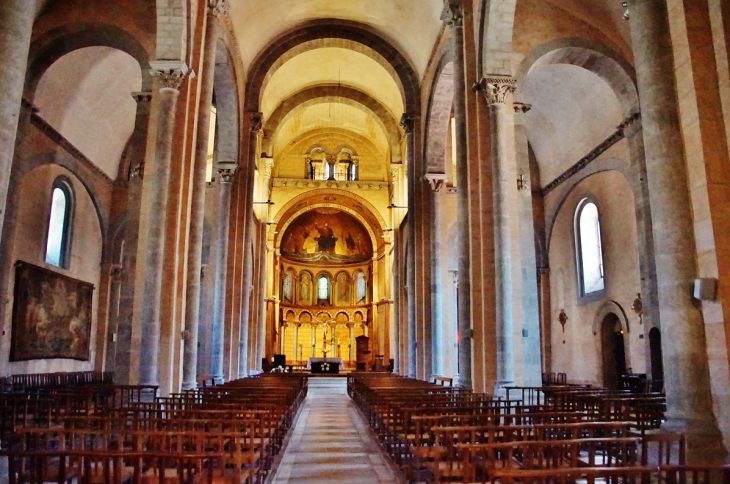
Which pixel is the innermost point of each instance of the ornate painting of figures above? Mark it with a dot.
(51, 315)
(305, 288)
(326, 235)
(343, 288)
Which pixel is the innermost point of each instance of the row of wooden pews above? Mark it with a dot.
(101, 432)
(549, 434)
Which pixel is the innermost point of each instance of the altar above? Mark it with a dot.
(325, 365)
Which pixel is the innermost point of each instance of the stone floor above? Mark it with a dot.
(331, 443)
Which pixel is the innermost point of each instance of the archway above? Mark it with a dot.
(614, 351)
(657, 364)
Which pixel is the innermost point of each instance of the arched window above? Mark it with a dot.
(588, 248)
(323, 287)
(58, 238)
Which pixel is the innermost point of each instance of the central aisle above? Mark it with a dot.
(331, 443)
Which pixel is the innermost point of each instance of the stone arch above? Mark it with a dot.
(592, 56)
(334, 93)
(440, 105)
(305, 317)
(227, 105)
(596, 167)
(334, 192)
(607, 308)
(342, 317)
(321, 33)
(54, 44)
(349, 138)
(93, 186)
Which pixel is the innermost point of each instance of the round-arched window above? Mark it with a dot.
(58, 237)
(588, 248)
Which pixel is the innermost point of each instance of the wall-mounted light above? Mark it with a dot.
(562, 318)
(638, 307)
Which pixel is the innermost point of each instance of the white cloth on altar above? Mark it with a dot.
(339, 361)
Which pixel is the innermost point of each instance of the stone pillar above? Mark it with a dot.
(282, 332)
(453, 16)
(295, 342)
(408, 124)
(197, 204)
(16, 25)
(123, 333)
(351, 327)
(225, 174)
(110, 336)
(436, 182)
(689, 398)
(150, 252)
(496, 90)
(256, 121)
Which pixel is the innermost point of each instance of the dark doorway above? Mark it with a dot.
(657, 365)
(614, 351)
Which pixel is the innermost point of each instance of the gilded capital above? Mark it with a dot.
(268, 167)
(453, 13)
(496, 88)
(394, 171)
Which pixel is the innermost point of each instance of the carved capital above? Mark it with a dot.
(142, 96)
(394, 170)
(496, 88)
(217, 8)
(257, 121)
(436, 181)
(226, 174)
(522, 108)
(408, 122)
(453, 13)
(171, 73)
(268, 167)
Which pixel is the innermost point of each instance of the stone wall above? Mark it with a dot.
(29, 245)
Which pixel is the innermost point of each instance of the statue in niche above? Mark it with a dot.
(305, 289)
(360, 288)
(343, 288)
(286, 287)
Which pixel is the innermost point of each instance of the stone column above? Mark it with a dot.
(408, 124)
(351, 327)
(225, 174)
(150, 253)
(689, 397)
(197, 204)
(256, 121)
(16, 25)
(496, 89)
(454, 17)
(295, 341)
(282, 332)
(436, 182)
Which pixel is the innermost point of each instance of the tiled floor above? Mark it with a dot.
(331, 443)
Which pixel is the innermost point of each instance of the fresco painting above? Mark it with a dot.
(326, 235)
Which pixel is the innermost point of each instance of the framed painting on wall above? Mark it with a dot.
(51, 315)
